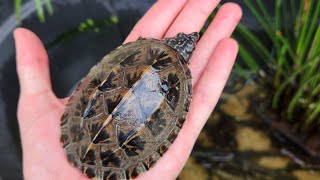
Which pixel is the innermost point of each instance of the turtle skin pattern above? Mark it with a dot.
(127, 111)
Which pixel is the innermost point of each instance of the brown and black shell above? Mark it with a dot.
(127, 111)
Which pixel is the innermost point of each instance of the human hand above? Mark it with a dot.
(39, 110)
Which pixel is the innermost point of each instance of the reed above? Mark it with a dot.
(292, 63)
(39, 7)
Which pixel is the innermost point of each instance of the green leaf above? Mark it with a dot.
(298, 21)
(280, 62)
(114, 19)
(293, 12)
(248, 59)
(243, 72)
(17, 9)
(315, 46)
(90, 22)
(316, 90)
(278, 15)
(40, 10)
(302, 40)
(290, 79)
(302, 87)
(294, 59)
(49, 7)
(315, 113)
(256, 43)
(267, 28)
(314, 55)
(265, 13)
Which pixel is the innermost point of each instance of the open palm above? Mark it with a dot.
(39, 110)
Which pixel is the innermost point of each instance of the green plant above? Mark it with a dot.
(39, 7)
(88, 25)
(293, 62)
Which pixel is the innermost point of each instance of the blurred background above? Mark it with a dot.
(266, 124)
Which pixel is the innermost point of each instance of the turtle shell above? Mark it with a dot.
(127, 111)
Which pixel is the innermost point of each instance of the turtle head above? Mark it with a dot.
(183, 43)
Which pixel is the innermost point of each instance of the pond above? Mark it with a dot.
(237, 143)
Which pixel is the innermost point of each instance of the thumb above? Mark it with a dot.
(36, 95)
(32, 63)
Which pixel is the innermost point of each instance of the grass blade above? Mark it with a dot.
(277, 16)
(17, 9)
(298, 21)
(264, 12)
(268, 29)
(299, 94)
(256, 43)
(264, 25)
(282, 87)
(49, 7)
(315, 91)
(243, 72)
(248, 59)
(289, 47)
(280, 62)
(315, 46)
(314, 114)
(314, 53)
(302, 41)
(286, 18)
(312, 26)
(40, 12)
(293, 11)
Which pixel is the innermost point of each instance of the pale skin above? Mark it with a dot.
(39, 110)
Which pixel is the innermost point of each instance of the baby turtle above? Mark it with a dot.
(129, 108)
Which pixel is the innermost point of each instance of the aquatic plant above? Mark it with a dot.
(39, 7)
(286, 57)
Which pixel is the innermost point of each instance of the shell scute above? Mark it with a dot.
(110, 158)
(133, 59)
(113, 81)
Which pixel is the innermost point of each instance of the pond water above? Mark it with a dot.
(237, 144)
(233, 145)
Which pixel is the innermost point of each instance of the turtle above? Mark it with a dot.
(129, 108)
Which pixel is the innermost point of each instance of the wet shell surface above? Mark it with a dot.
(129, 109)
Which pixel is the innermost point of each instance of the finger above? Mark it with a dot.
(32, 63)
(192, 17)
(206, 95)
(212, 81)
(221, 27)
(157, 20)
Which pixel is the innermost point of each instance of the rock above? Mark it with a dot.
(193, 171)
(204, 140)
(307, 174)
(237, 105)
(274, 162)
(251, 139)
